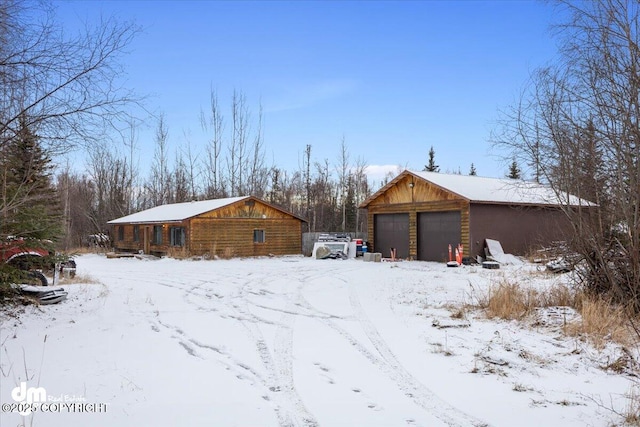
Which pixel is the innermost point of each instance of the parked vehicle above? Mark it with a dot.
(31, 256)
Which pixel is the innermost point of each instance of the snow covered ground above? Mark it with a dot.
(294, 341)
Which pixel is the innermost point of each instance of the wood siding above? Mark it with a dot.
(403, 197)
(128, 244)
(234, 236)
(519, 228)
(410, 190)
(251, 208)
(225, 232)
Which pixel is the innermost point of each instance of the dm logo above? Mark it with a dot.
(22, 394)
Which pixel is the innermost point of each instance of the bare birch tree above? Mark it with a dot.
(237, 155)
(258, 172)
(159, 184)
(343, 175)
(214, 125)
(578, 123)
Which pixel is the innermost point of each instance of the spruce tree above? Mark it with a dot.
(514, 171)
(472, 170)
(29, 204)
(431, 166)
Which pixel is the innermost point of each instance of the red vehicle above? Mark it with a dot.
(33, 258)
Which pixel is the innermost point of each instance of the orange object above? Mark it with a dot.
(459, 254)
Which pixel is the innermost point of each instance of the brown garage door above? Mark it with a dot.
(391, 231)
(436, 231)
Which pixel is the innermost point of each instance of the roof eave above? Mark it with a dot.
(550, 204)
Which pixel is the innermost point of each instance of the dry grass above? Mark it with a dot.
(559, 296)
(600, 320)
(509, 301)
(79, 278)
(631, 414)
(228, 253)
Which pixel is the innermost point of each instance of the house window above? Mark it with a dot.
(177, 236)
(136, 233)
(157, 235)
(258, 236)
(121, 232)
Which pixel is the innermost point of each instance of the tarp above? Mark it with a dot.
(497, 253)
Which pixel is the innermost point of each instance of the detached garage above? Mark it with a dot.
(421, 213)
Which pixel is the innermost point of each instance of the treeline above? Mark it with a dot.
(63, 93)
(230, 163)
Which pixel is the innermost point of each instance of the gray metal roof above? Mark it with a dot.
(176, 212)
(491, 190)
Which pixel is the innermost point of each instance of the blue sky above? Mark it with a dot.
(392, 78)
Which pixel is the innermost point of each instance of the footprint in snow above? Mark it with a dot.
(324, 369)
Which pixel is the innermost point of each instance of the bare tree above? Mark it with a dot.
(362, 190)
(180, 181)
(191, 160)
(258, 172)
(159, 184)
(578, 125)
(237, 156)
(65, 89)
(111, 182)
(77, 194)
(214, 124)
(306, 166)
(343, 175)
(130, 140)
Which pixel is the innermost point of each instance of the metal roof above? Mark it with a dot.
(176, 212)
(490, 190)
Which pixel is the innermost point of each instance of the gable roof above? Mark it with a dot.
(489, 190)
(176, 212)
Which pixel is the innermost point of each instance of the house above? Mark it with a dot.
(235, 226)
(421, 213)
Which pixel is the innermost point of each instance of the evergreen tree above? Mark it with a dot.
(431, 166)
(29, 206)
(472, 170)
(514, 171)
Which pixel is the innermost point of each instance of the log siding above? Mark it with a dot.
(224, 232)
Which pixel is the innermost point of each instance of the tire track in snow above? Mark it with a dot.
(283, 357)
(290, 409)
(223, 357)
(387, 362)
(409, 385)
(236, 308)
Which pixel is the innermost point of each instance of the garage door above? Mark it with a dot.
(436, 231)
(391, 231)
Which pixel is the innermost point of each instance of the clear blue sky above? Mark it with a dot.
(393, 78)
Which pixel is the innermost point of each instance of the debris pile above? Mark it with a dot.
(44, 295)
